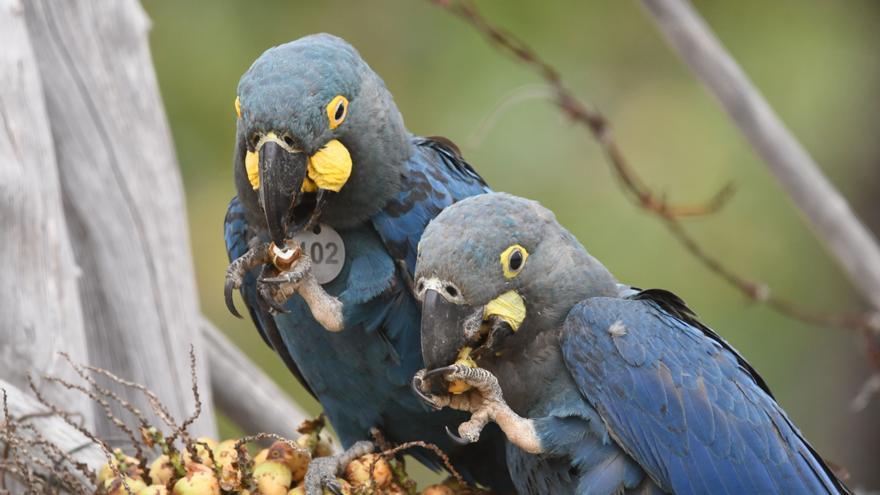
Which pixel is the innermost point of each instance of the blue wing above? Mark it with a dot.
(237, 235)
(683, 404)
(434, 177)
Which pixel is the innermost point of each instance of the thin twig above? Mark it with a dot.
(108, 412)
(598, 125)
(182, 430)
(828, 213)
(390, 453)
(635, 187)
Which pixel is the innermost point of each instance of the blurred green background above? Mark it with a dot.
(815, 60)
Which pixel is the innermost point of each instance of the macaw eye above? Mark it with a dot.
(513, 259)
(337, 109)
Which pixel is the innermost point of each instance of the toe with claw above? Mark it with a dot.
(421, 385)
(238, 269)
(276, 286)
(323, 471)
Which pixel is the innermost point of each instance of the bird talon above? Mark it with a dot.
(417, 385)
(238, 268)
(334, 487)
(455, 438)
(438, 371)
(228, 287)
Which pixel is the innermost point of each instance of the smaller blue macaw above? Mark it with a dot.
(599, 388)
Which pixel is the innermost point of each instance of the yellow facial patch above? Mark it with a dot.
(513, 259)
(330, 167)
(237, 107)
(252, 165)
(509, 306)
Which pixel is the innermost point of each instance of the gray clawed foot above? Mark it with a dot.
(238, 269)
(323, 471)
(483, 399)
(421, 385)
(276, 287)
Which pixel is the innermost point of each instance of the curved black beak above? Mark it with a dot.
(281, 178)
(443, 326)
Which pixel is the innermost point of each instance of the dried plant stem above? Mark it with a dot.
(635, 187)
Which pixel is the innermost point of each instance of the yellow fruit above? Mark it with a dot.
(153, 490)
(204, 456)
(368, 469)
(223, 446)
(199, 480)
(299, 489)
(464, 357)
(317, 445)
(438, 490)
(273, 478)
(261, 456)
(132, 467)
(296, 459)
(226, 455)
(161, 470)
(115, 486)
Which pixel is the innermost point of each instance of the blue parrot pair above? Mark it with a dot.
(608, 389)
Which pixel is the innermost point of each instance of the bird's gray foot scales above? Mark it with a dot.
(279, 280)
(484, 400)
(255, 256)
(323, 471)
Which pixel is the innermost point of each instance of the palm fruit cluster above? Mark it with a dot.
(208, 467)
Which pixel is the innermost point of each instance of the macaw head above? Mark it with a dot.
(493, 271)
(318, 135)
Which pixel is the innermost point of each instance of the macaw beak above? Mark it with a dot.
(443, 324)
(282, 173)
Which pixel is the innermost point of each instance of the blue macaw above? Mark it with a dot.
(322, 151)
(600, 388)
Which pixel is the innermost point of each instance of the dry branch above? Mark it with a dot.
(828, 212)
(632, 185)
(233, 376)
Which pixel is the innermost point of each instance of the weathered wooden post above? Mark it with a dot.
(95, 251)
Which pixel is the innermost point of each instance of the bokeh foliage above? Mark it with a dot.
(815, 60)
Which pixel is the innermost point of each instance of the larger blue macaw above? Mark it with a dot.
(321, 149)
(601, 389)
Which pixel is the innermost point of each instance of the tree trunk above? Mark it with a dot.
(96, 258)
(39, 300)
(123, 197)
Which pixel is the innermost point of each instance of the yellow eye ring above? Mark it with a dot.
(337, 110)
(513, 260)
(237, 106)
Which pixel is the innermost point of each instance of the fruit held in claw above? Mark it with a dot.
(368, 469)
(273, 478)
(464, 357)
